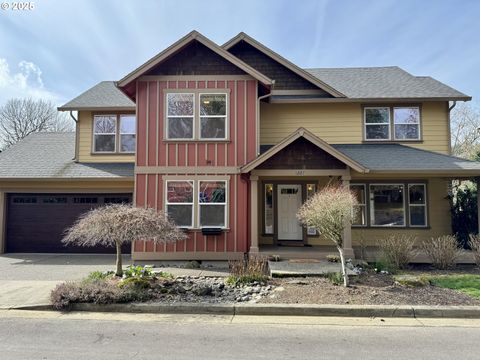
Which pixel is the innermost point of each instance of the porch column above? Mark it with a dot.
(253, 214)
(347, 232)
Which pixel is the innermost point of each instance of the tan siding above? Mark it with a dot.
(343, 123)
(85, 119)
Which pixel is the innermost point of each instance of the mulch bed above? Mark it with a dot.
(367, 289)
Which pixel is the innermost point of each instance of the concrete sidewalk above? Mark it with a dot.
(17, 294)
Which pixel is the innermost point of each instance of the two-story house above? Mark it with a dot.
(230, 141)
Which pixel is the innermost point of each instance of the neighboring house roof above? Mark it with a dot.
(301, 132)
(103, 96)
(50, 156)
(280, 59)
(194, 35)
(385, 83)
(397, 158)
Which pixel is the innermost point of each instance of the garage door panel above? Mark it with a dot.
(37, 222)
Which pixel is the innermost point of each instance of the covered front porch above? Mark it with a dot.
(400, 189)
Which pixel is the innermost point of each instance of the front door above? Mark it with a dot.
(289, 201)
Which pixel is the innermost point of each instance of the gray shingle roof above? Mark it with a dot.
(104, 95)
(401, 158)
(50, 155)
(384, 83)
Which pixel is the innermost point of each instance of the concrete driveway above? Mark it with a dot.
(28, 279)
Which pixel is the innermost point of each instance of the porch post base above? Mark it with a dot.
(254, 249)
(349, 254)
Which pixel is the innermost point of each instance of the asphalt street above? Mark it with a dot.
(51, 335)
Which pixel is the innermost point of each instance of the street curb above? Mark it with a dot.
(384, 311)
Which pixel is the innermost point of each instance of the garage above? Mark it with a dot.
(35, 223)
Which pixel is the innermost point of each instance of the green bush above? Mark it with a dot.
(138, 271)
(335, 278)
(384, 265)
(99, 275)
(135, 282)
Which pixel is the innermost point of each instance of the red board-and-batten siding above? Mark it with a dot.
(191, 158)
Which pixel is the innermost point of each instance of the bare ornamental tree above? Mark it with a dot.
(115, 225)
(329, 211)
(465, 129)
(21, 117)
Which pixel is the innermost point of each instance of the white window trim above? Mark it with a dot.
(179, 116)
(200, 116)
(362, 204)
(425, 205)
(372, 208)
(120, 133)
(114, 134)
(372, 124)
(418, 123)
(225, 204)
(192, 204)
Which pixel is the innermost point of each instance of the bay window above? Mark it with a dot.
(179, 202)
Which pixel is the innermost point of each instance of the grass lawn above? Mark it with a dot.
(468, 284)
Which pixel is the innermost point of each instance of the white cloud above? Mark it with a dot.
(26, 82)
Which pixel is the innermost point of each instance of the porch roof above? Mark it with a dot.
(379, 158)
(397, 158)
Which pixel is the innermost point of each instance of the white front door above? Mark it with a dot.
(289, 201)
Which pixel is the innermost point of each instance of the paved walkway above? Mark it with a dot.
(306, 267)
(28, 279)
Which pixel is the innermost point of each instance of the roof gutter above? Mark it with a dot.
(258, 114)
(77, 138)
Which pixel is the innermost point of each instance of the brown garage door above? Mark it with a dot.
(36, 222)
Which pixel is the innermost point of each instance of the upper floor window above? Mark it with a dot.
(213, 116)
(114, 133)
(379, 126)
(183, 123)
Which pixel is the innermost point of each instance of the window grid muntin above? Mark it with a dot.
(424, 205)
(192, 203)
(168, 116)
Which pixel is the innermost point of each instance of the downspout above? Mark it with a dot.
(258, 115)
(450, 108)
(75, 158)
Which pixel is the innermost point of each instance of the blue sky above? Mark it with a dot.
(62, 48)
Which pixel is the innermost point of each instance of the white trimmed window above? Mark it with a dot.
(213, 116)
(104, 133)
(406, 123)
(180, 116)
(387, 205)
(127, 133)
(179, 202)
(377, 123)
(361, 214)
(417, 202)
(268, 207)
(212, 203)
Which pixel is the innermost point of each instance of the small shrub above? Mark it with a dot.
(398, 249)
(474, 244)
(135, 282)
(384, 265)
(138, 271)
(443, 251)
(235, 280)
(335, 278)
(412, 281)
(99, 275)
(333, 258)
(248, 270)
